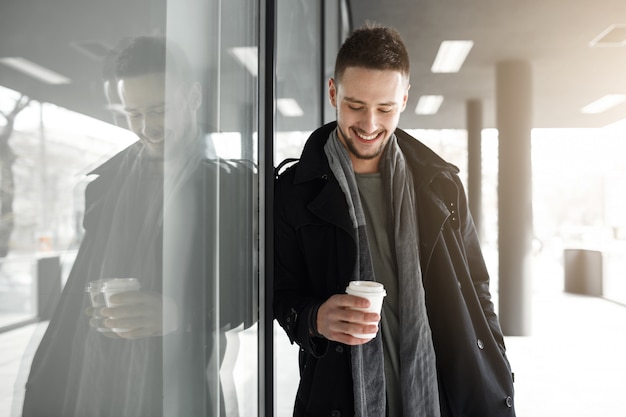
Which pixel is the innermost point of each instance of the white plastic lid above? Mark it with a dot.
(121, 284)
(367, 286)
(95, 286)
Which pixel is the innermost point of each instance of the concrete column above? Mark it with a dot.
(515, 228)
(474, 121)
(49, 286)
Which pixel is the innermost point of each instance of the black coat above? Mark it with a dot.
(316, 252)
(131, 383)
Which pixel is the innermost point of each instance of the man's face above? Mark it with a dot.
(368, 103)
(157, 117)
(115, 104)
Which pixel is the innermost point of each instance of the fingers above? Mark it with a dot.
(346, 335)
(348, 339)
(134, 297)
(105, 331)
(97, 322)
(131, 310)
(139, 314)
(133, 321)
(129, 323)
(92, 311)
(349, 301)
(338, 321)
(137, 333)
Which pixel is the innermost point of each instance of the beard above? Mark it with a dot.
(349, 142)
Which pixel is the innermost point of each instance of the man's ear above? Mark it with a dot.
(195, 96)
(405, 98)
(332, 92)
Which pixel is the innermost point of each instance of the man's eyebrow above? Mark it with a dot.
(356, 101)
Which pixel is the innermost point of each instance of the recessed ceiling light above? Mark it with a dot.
(451, 56)
(604, 103)
(428, 104)
(618, 125)
(37, 71)
(95, 50)
(248, 56)
(614, 35)
(289, 107)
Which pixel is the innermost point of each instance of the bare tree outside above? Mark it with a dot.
(7, 180)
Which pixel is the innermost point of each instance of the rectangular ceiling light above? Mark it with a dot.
(289, 107)
(96, 50)
(428, 104)
(31, 69)
(604, 103)
(618, 125)
(614, 35)
(248, 56)
(451, 56)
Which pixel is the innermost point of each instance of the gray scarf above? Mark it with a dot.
(418, 374)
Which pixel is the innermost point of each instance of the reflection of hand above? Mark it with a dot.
(97, 322)
(337, 321)
(140, 314)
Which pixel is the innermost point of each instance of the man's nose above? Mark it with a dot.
(148, 127)
(370, 121)
(151, 133)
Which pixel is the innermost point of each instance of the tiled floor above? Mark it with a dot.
(14, 346)
(573, 364)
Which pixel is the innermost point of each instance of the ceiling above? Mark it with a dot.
(552, 35)
(68, 36)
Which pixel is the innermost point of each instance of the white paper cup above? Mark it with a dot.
(374, 292)
(96, 298)
(118, 285)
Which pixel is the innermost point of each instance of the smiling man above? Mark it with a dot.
(368, 202)
(161, 106)
(162, 212)
(368, 103)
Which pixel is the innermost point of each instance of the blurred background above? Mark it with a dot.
(527, 98)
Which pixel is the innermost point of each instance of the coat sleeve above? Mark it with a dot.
(294, 306)
(477, 268)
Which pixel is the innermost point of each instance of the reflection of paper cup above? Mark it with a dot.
(374, 292)
(96, 297)
(94, 289)
(117, 285)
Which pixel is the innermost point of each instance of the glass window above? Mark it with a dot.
(299, 94)
(308, 37)
(129, 213)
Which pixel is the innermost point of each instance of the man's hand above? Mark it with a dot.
(140, 314)
(337, 321)
(97, 322)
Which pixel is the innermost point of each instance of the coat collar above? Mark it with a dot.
(313, 162)
(433, 180)
(425, 163)
(113, 164)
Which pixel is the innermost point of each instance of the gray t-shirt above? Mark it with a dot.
(385, 270)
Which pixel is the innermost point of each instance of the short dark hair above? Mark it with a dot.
(109, 60)
(151, 55)
(374, 47)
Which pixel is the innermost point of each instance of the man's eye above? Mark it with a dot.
(355, 107)
(385, 110)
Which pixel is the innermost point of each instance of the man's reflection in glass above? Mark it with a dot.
(114, 361)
